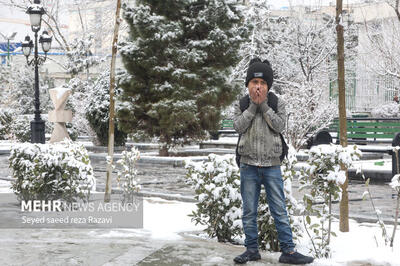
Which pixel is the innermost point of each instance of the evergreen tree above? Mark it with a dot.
(97, 111)
(179, 57)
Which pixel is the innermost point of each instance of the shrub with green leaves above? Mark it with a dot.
(51, 171)
(322, 177)
(217, 186)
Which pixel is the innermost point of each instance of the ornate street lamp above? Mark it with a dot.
(35, 12)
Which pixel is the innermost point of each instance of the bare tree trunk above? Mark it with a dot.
(344, 202)
(107, 195)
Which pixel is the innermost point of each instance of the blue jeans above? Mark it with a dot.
(251, 178)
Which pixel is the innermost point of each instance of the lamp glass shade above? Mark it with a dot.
(45, 40)
(27, 46)
(36, 19)
(26, 50)
(46, 46)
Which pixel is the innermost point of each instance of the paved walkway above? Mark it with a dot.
(114, 247)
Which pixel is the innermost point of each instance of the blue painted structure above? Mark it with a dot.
(13, 47)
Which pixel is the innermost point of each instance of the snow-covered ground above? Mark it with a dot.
(363, 244)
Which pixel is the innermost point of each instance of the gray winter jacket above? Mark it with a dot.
(260, 144)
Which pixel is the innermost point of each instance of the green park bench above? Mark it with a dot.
(227, 124)
(368, 130)
(363, 131)
(225, 128)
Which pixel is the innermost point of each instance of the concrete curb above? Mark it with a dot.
(176, 162)
(7, 179)
(145, 193)
(4, 152)
(128, 146)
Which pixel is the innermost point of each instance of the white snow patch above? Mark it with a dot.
(165, 219)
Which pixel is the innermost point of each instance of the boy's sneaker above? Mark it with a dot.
(295, 258)
(249, 255)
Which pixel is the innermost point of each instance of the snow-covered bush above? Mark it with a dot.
(293, 207)
(97, 111)
(72, 129)
(5, 125)
(217, 186)
(126, 171)
(387, 111)
(80, 57)
(78, 102)
(21, 128)
(19, 90)
(51, 171)
(267, 234)
(323, 176)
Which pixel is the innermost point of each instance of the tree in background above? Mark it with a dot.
(382, 45)
(18, 90)
(80, 57)
(179, 55)
(301, 53)
(98, 113)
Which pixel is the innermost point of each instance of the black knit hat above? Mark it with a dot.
(258, 69)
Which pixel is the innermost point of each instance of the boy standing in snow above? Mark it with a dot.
(259, 118)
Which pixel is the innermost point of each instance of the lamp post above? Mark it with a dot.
(35, 12)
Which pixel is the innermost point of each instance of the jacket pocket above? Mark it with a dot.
(247, 145)
(277, 145)
(244, 145)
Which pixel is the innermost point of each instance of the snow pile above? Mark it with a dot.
(51, 171)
